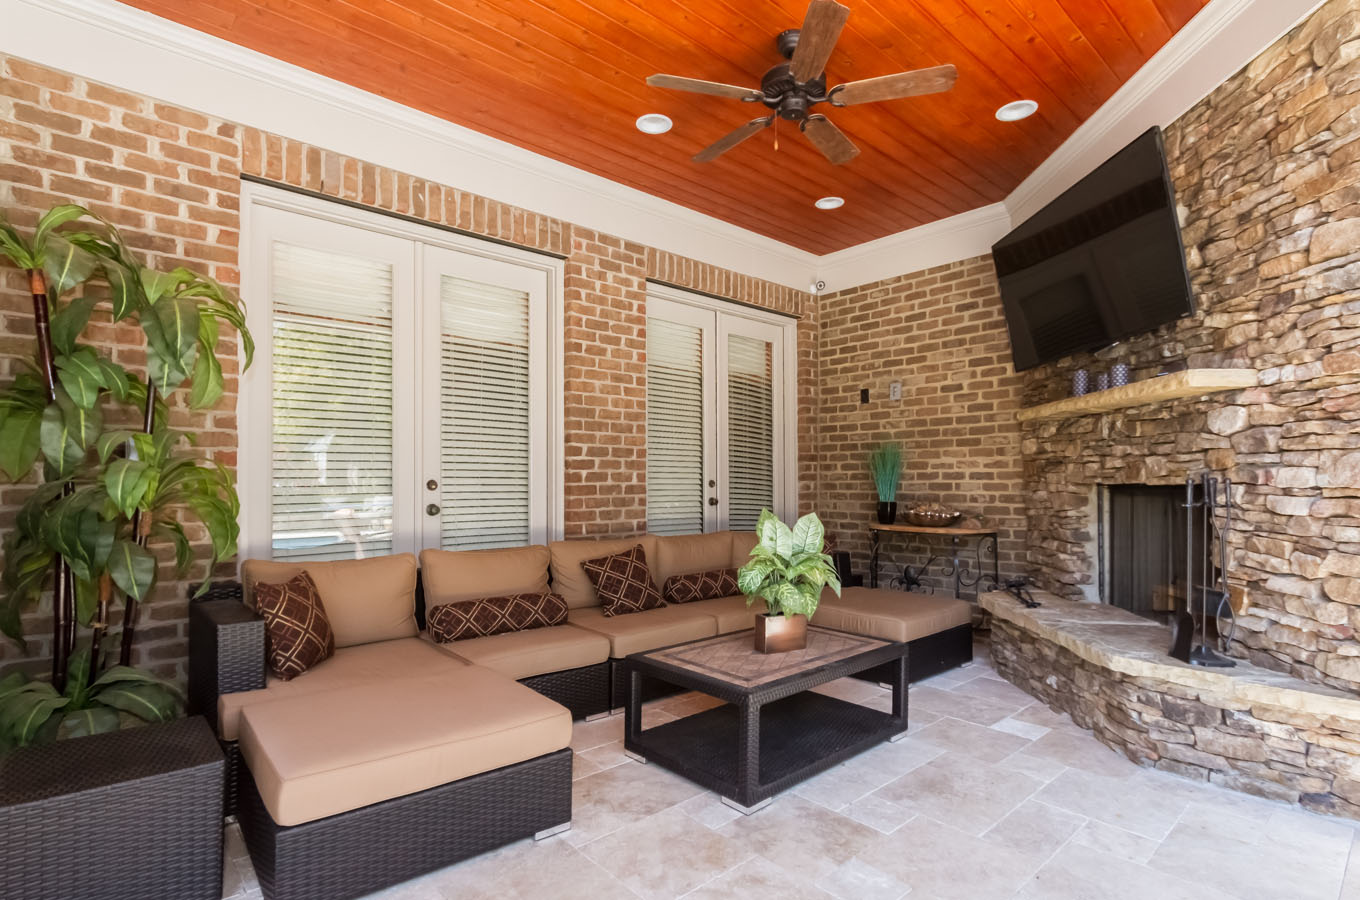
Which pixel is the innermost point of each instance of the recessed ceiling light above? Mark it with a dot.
(1020, 109)
(654, 123)
(830, 203)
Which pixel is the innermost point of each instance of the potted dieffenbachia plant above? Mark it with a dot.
(788, 570)
(106, 477)
(885, 465)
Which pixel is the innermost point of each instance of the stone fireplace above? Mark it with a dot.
(1267, 176)
(1142, 555)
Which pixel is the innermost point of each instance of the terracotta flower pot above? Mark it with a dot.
(777, 634)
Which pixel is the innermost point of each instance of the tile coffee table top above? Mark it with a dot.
(733, 658)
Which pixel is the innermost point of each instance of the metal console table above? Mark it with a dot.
(965, 572)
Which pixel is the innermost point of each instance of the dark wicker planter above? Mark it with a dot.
(130, 815)
(361, 851)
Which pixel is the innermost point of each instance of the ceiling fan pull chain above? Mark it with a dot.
(776, 134)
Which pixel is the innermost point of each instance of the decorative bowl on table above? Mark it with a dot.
(932, 515)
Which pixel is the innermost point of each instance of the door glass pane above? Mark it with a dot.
(484, 415)
(332, 405)
(675, 428)
(750, 430)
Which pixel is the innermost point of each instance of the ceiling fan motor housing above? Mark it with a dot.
(787, 97)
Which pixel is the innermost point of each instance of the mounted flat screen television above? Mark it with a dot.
(1101, 263)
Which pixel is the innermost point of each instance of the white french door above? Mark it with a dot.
(406, 392)
(719, 414)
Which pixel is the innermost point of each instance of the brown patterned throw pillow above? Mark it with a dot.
(701, 586)
(298, 632)
(623, 582)
(495, 615)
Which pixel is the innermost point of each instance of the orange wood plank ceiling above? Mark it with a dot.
(565, 78)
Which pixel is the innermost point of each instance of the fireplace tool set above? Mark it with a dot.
(1208, 521)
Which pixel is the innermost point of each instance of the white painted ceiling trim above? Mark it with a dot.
(107, 41)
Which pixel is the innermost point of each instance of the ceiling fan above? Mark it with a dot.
(791, 89)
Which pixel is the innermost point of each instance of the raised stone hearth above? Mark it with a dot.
(1246, 728)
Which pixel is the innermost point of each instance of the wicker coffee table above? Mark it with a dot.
(773, 731)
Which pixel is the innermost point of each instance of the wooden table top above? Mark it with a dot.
(926, 529)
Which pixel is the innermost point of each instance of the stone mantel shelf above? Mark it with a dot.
(1120, 641)
(1187, 383)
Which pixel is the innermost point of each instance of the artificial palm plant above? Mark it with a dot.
(113, 476)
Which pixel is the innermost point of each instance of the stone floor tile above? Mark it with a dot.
(708, 810)
(605, 756)
(623, 795)
(1039, 714)
(800, 835)
(1081, 751)
(581, 766)
(1350, 885)
(938, 861)
(998, 690)
(1290, 857)
(898, 757)
(979, 710)
(1127, 803)
(1027, 730)
(232, 883)
(233, 844)
(585, 735)
(960, 792)
(976, 741)
(879, 814)
(760, 879)
(1035, 828)
(666, 855)
(838, 787)
(1115, 841)
(1044, 770)
(1078, 872)
(530, 870)
(857, 880)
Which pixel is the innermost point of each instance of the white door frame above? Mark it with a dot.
(786, 414)
(254, 403)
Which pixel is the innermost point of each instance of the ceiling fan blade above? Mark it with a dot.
(894, 87)
(829, 139)
(722, 145)
(716, 88)
(817, 38)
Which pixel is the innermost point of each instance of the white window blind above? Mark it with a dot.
(484, 415)
(332, 405)
(750, 425)
(675, 428)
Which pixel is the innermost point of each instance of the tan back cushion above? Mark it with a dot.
(685, 554)
(571, 581)
(365, 600)
(743, 542)
(452, 576)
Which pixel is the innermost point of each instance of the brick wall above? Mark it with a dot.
(941, 333)
(167, 177)
(170, 178)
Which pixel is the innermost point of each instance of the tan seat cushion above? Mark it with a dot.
(571, 581)
(521, 654)
(743, 542)
(683, 554)
(361, 664)
(731, 613)
(317, 756)
(366, 600)
(635, 632)
(891, 615)
(450, 576)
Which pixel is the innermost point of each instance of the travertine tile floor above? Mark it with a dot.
(990, 796)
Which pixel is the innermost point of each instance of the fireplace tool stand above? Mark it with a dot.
(1208, 514)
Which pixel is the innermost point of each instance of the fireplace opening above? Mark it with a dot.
(1143, 540)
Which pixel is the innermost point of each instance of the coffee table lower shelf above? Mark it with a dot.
(798, 737)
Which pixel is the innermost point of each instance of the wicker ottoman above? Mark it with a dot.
(131, 815)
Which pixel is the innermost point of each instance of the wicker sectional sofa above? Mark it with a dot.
(340, 776)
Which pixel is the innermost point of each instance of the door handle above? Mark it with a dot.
(712, 501)
(432, 510)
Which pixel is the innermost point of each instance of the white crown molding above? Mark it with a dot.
(162, 59)
(947, 240)
(134, 50)
(1222, 38)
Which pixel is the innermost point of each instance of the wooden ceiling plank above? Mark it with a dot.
(1143, 23)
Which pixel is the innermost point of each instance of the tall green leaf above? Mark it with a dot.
(133, 569)
(171, 327)
(20, 441)
(220, 523)
(54, 218)
(125, 674)
(81, 375)
(13, 246)
(84, 722)
(60, 447)
(78, 677)
(125, 287)
(149, 702)
(127, 481)
(69, 321)
(208, 383)
(66, 265)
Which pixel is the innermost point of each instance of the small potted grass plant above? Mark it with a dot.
(885, 465)
(788, 570)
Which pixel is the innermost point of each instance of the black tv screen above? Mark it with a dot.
(1101, 263)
